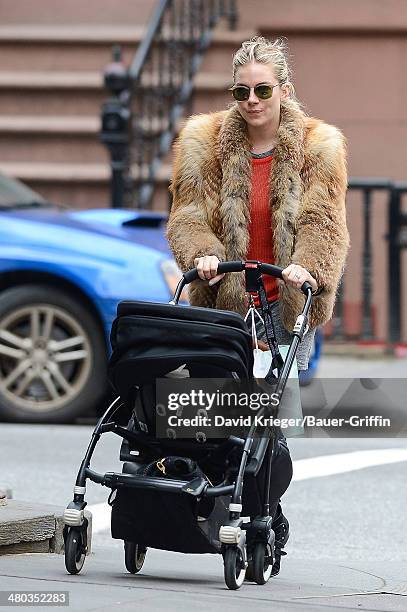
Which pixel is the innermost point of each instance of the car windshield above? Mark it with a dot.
(14, 194)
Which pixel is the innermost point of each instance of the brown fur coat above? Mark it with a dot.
(210, 215)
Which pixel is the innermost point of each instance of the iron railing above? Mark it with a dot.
(395, 237)
(140, 120)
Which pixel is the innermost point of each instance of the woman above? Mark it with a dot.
(262, 181)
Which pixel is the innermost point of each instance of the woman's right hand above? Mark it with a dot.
(207, 267)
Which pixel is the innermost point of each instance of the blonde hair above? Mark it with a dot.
(259, 49)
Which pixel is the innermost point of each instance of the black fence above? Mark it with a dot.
(394, 240)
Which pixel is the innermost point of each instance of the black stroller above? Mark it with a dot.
(185, 495)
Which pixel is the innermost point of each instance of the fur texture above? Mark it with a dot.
(210, 215)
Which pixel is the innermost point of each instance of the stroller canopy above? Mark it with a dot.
(151, 340)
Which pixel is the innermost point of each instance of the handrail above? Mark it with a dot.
(144, 48)
(140, 120)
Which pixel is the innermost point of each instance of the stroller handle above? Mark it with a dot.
(236, 266)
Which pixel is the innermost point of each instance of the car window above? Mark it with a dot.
(14, 194)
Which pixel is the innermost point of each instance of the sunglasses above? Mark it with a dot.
(242, 93)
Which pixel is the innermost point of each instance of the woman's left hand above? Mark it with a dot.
(296, 276)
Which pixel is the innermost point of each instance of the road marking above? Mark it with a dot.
(313, 467)
(339, 463)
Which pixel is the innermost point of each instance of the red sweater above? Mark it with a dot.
(260, 232)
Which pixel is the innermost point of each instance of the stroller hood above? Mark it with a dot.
(150, 340)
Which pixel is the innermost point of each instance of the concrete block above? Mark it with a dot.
(29, 527)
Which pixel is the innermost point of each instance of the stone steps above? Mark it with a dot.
(78, 13)
(57, 48)
(85, 48)
(68, 134)
(52, 90)
(62, 139)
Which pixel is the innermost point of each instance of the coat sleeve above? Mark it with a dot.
(321, 236)
(190, 229)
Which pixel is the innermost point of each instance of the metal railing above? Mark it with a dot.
(140, 120)
(396, 238)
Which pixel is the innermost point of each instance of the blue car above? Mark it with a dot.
(62, 273)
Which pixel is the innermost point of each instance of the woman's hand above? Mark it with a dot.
(263, 346)
(207, 267)
(296, 276)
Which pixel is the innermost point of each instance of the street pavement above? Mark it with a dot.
(348, 544)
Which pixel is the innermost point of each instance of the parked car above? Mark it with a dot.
(62, 273)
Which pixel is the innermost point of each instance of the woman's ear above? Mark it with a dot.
(285, 91)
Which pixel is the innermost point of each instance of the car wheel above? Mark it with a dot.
(52, 356)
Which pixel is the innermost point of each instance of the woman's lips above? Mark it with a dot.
(254, 112)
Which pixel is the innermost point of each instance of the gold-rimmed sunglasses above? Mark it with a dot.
(262, 91)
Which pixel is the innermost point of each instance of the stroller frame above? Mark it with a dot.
(238, 532)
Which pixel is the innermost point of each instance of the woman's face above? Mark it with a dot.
(255, 111)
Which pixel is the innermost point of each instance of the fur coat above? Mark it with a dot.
(210, 215)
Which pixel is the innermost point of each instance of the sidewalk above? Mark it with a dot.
(178, 582)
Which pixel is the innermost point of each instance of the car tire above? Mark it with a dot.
(52, 356)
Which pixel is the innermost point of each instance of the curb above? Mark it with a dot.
(5, 494)
(28, 527)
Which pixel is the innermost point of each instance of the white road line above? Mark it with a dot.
(327, 465)
(313, 467)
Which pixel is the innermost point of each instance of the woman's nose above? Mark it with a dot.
(252, 97)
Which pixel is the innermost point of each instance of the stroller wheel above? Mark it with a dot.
(75, 551)
(234, 568)
(262, 564)
(134, 556)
